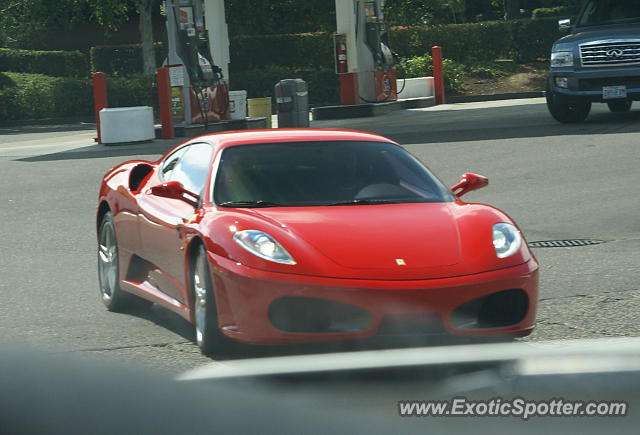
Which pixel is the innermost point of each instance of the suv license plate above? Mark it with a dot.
(610, 92)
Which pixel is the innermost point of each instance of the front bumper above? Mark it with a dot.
(251, 304)
(585, 84)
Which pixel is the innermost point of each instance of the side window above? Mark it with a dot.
(193, 167)
(170, 164)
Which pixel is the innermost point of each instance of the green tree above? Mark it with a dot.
(511, 9)
(416, 12)
(112, 13)
(457, 7)
(25, 23)
(411, 12)
(260, 17)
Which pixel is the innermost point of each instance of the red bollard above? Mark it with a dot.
(438, 74)
(99, 99)
(164, 100)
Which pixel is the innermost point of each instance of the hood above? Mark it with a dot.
(377, 242)
(393, 236)
(597, 33)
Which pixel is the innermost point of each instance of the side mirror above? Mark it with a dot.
(469, 182)
(564, 25)
(175, 190)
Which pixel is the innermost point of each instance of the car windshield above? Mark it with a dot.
(601, 12)
(323, 173)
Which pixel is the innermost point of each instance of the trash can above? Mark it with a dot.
(238, 104)
(292, 100)
(260, 107)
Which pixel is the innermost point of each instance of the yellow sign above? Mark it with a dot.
(177, 104)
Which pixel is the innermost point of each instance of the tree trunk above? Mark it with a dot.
(512, 9)
(146, 35)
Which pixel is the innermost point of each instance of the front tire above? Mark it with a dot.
(113, 297)
(209, 337)
(619, 106)
(567, 113)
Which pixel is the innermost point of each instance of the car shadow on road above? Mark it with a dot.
(173, 322)
(146, 149)
(166, 319)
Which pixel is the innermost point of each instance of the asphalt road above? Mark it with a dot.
(556, 181)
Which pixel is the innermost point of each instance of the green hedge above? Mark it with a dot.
(460, 42)
(122, 60)
(532, 39)
(36, 96)
(522, 40)
(421, 66)
(303, 50)
(51, 63)
(33, 96)
(557, 11)
(137, 90)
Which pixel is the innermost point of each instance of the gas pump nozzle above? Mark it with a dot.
(377, 37)
(194, 49)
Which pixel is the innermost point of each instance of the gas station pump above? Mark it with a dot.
(199, 90)
(377, 40)
(364, 60)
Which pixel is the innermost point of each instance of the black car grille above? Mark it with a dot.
(610, 53)
(599, 83)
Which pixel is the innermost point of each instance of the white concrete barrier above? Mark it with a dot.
(416, 88)
(127, 124)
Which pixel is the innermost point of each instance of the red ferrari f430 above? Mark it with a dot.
(290, 236)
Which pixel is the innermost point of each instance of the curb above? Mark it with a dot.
(369, 109)
(493, 97)
(216, 127)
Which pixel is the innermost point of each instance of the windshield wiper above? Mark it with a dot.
(368, 202)
(250, 204)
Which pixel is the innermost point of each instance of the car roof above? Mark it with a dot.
(244, 137)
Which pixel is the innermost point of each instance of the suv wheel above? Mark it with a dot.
(567, 113)
(619, 106)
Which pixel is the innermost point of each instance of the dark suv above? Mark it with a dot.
(599, 61)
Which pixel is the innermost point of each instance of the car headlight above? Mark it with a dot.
(561, 58)
(263, 245)
(506, 240)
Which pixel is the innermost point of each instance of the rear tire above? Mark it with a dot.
(620, 106)
(209, 337)
(113, 297)
(567, 113)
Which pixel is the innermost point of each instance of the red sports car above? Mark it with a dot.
(288, 236)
